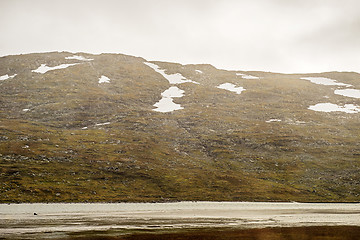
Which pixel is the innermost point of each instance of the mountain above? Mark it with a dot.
(111, 127)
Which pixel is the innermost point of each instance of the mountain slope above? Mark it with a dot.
(82, 127)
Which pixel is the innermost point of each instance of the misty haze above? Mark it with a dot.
(179, 120)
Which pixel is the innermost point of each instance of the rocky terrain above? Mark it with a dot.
(111, 127)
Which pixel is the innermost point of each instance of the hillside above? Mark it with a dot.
(111, 127)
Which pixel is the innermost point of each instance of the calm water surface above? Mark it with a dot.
(18, 221)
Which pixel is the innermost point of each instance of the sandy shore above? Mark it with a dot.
(174, 220)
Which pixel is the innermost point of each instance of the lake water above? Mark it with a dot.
(17, 221)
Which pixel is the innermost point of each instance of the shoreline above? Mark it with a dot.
(187, 201)
(36, 221)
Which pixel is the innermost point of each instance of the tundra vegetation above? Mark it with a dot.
(65, 136)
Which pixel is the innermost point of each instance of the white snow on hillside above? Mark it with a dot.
(166, 104)
(231, 87)
(102, 124)
(81, 58)
(104, 79)
(43, 68)
(5, 77)
(273, 120)
(353, 93)
(325, 81)
(246, 76)
(175, 78)
(198, 71)
(173, 92)
(330, 107)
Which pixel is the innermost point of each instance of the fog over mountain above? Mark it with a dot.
(265, 35)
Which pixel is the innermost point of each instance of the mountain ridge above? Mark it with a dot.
(67, 137)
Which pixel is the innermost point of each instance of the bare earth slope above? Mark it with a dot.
(89, 131)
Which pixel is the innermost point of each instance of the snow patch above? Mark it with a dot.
(26, 110)
(231, 87)
(246, 76)
(199, 71)
(102, 124)
(353, 93)
(43, 68)
(173, 92)
(330, 107)
(81, 58)
(5, 77)
(175, 78)
(104, 79)
(166, 104)
(325, 81)
(273, 120)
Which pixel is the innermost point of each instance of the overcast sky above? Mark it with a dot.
(268, 35)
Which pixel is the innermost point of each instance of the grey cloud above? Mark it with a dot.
(271, 35)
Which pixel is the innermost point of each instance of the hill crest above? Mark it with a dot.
(82, 127)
